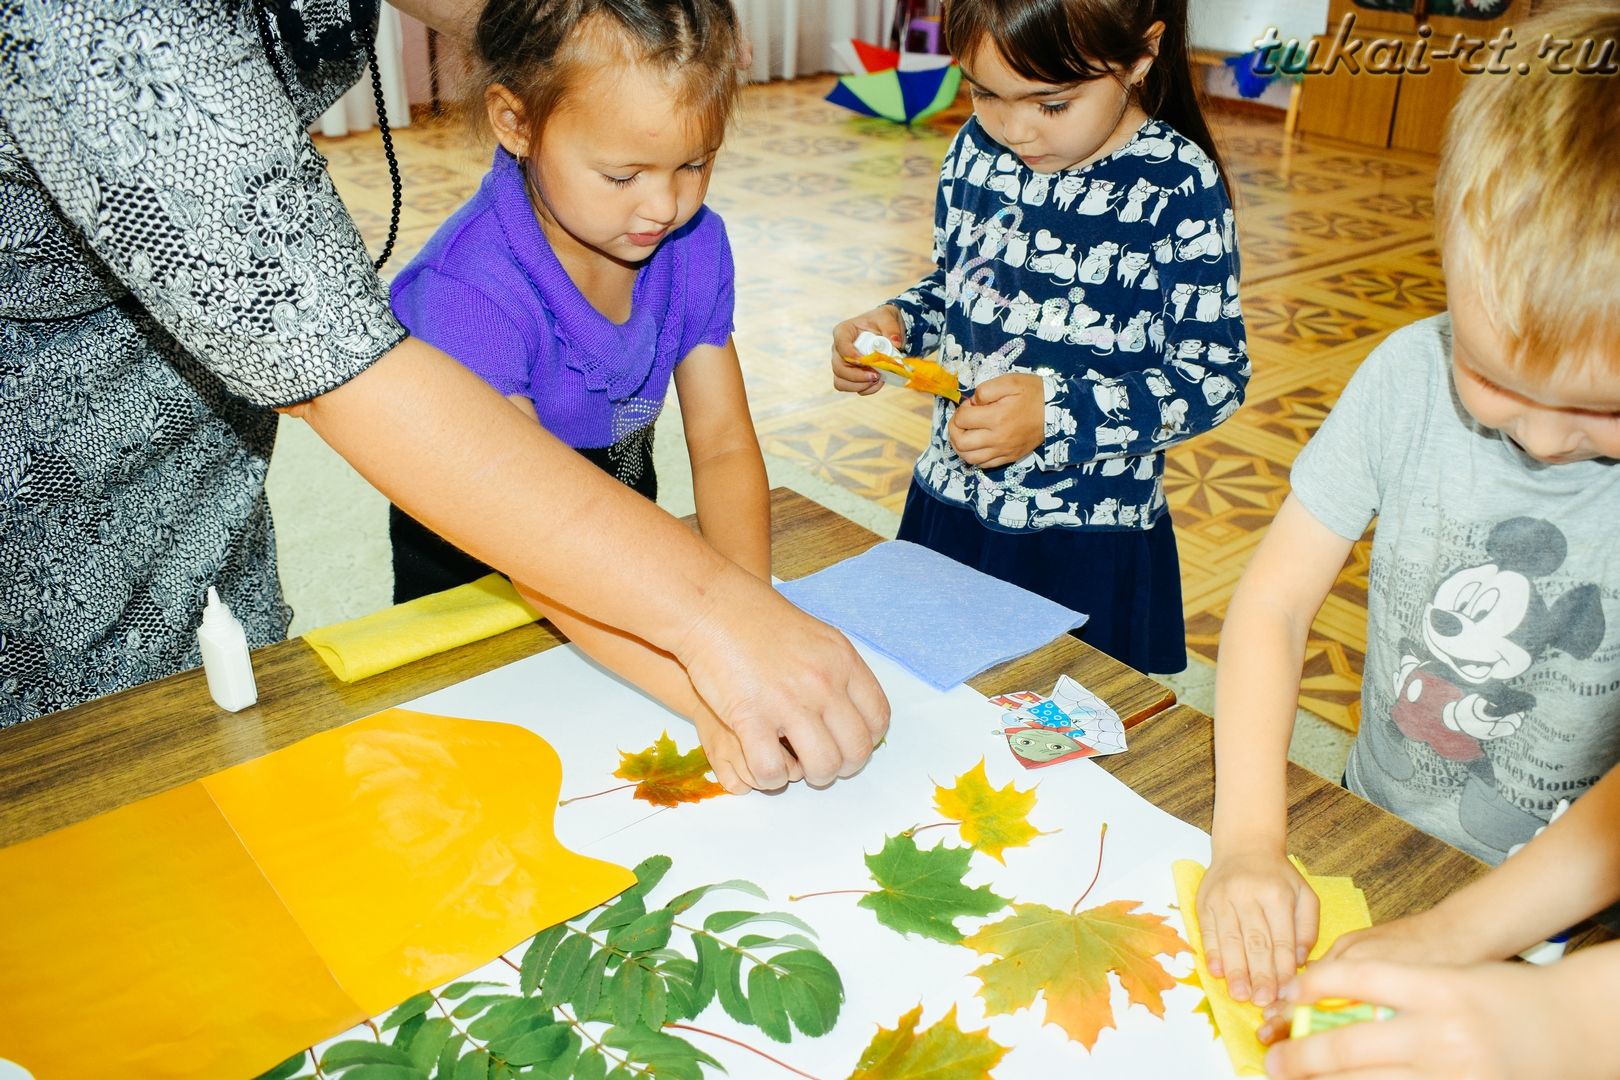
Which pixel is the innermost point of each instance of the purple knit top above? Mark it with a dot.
(488, 290)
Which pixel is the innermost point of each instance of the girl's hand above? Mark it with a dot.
(854, 378)
(1486, 1022)
(1258, 919)
(1003, 421)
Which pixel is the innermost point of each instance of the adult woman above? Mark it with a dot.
(175, 264)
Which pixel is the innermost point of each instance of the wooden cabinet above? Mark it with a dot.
(1396, 108)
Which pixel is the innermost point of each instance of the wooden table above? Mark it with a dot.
(80, 762)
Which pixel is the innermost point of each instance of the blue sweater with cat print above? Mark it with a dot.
(1117, 283)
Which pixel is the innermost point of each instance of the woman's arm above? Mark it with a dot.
(451, 453)
(728, 473)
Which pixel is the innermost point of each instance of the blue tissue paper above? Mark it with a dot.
(940, 620)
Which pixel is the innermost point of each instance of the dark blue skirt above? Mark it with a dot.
(1127, 580)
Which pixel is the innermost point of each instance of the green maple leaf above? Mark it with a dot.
(920, 891)
(1068, 958)
(943, 1052)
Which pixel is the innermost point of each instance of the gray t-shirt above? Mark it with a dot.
(1493, 602)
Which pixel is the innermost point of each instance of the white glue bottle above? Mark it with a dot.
(225, 656)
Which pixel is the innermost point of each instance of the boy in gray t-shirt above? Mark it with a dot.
(1485, 443)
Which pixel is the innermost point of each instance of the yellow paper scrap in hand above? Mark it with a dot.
(1344, 909)
(919, 374)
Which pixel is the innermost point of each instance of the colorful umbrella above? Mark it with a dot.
(902, 87)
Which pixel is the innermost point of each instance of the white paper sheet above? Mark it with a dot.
(804, 840)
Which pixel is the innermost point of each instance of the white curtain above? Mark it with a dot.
(357, 110)
(795, 37)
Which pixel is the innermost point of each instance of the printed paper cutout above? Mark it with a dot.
(1071, 725)
(283, 900)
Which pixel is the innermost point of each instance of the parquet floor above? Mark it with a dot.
(829, 214)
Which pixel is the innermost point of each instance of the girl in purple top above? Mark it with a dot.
(586, 274)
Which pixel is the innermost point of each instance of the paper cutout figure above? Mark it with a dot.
(1072, 724)
(285, 899)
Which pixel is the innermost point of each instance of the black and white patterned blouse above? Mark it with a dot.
(174, 262)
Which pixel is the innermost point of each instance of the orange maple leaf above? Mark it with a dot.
(993, 819)
(1068, 957)
(666, 777)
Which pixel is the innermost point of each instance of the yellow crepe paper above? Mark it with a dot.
(428, 625)
(1343, 909)
(218, 928)
(920, 374)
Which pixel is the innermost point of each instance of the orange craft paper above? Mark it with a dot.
(218, 928)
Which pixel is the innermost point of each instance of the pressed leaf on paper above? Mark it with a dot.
(943, 1052)
(993, 819)
(666, 777)
(920, 891)
(1038, 949)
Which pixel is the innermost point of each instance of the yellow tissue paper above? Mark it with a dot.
(432, 624)
(918, 373)
(1344, 909)
(222, 926)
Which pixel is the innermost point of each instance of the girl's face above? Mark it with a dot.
(619, 166)
(1052, 128)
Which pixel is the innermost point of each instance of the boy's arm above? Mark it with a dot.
(1562, 876)
(1256, 914)
(728, 473)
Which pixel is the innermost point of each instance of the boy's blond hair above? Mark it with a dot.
(1528, 192)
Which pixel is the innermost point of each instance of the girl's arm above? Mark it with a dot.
(728, 473)
(1257, 915)
(1562, 876)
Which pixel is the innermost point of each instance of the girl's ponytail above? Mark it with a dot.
(1068, 41)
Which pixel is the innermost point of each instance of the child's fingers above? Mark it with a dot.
(1274, 965)
(1307, 924)
(1234, 954)
(1209, 928)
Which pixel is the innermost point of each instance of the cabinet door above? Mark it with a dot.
(1356, 107)
(1424, 104)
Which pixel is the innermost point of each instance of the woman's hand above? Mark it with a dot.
(856, 378)
(1002, 422)
(1258, 919)
(773, 673)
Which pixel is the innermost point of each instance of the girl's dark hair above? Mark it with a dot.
(1068, 41)
(539, 49)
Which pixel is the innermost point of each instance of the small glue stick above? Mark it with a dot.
(226, 664)
(1331, 1013)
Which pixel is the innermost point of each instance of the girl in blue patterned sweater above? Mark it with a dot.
(1085, 294)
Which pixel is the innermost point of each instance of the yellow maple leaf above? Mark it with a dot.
(942, 1052)
(993, 819)
(1066, 958)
